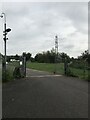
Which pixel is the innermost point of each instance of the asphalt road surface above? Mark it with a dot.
(44, 95)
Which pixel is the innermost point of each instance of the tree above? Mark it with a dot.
(64, 57)
(49, 57)
(84, 55)
(39, 58)
(17, 57)
(27, 55)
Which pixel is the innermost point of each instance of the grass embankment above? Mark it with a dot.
(49, 67)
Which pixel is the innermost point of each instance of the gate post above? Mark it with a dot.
(24, 64)
(65, 66)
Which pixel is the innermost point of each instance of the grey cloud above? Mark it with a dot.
(79, 16)
(34, 25)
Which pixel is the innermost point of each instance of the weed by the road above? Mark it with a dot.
(9, 71)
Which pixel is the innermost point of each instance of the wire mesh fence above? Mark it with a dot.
(76, 68)
(14, 69)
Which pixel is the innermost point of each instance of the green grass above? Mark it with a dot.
(46, 67)
(13, 64)
(59, 69)
(9, 72)
(79, 73)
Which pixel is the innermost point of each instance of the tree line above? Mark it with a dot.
(51, 57)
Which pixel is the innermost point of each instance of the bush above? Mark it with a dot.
(16, 73)
(78, 64)
(13, 70)
(70, 73)
(9, 76)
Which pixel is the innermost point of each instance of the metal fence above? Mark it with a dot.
(14, 69)
(80, 69)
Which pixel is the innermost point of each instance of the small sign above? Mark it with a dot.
(20, 62)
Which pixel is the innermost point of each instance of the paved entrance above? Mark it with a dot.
(47, 96)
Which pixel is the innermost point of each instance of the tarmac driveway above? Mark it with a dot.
(44, 95)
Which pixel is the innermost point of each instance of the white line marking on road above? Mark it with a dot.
(37, 70)
(40, 76)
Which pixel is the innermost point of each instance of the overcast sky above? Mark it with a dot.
(34, 26)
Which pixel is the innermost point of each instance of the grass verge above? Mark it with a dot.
(59, 68)
(46, 67)
(9, 71)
